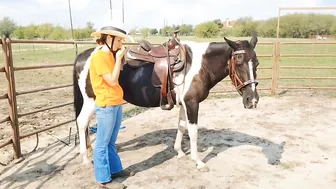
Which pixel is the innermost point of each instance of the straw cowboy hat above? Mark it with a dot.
(111, 28)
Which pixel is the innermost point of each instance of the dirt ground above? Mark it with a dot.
(287, 142)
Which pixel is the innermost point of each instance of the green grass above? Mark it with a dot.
(44, 54)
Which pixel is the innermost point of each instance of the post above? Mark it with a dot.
(278, 25)
(72, 33)
(9, 68)
(276, 57)
(275, 67)
(111, 8)
(70, 19)
(122, 8)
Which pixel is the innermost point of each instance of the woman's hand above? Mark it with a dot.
(121, 53)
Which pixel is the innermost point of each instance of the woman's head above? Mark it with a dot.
(113, 42)
(111, 35)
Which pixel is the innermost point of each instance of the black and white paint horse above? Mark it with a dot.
(209, 63)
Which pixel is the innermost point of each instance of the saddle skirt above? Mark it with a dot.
(166, 61)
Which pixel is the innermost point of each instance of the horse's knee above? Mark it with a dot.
(85, 115)
(82, 123)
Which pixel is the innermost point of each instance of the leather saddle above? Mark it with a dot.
(167, 58)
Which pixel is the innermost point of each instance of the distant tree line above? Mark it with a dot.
(43, 31)
(291, 26)
(296, 25)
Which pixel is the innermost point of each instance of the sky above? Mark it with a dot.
(147, 13)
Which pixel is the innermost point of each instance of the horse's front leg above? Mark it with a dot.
(83, 121)
(180, 131)
(192, 115)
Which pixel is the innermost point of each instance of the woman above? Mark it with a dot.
(104, 73)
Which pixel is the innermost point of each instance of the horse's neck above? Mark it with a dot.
(216, 72)
(214, 75)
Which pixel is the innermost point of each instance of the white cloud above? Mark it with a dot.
(144, 13)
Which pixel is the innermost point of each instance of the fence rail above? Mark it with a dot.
(11, 95)
(5, 96)
(41, 67)
(308, 67)
(44, 109)
(3, 120)
(307, 55)
(43, 89)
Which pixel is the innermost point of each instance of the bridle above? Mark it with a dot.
(236, 81)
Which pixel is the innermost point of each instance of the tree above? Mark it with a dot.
(166, 31)
(7, 26)
(186, 30)
(19, 32)
(218, 22)
(333, 29)
(207, 30)
(267, 28)
(244, 26)
(133, 31)
(144, 32)
(88, 30)
(59, 33)
(30, 31)
(44, 30)
(153, 31)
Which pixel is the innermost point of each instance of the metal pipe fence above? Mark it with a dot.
(9, 69)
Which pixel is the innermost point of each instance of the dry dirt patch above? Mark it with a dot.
(287, 142)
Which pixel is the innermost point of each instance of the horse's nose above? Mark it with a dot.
(254, 102)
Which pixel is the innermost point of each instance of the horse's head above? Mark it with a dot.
(243, 70)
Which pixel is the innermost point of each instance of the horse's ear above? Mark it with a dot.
(254, 39)
(232, 44)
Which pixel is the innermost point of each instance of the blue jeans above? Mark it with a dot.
(105, 158)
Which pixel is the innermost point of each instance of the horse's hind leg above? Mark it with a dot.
(88, 141)
(83, 121)
(181, 129)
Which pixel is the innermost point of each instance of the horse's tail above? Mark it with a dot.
(78, 97)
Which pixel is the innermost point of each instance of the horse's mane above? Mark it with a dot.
(189, 54)
(217, 48)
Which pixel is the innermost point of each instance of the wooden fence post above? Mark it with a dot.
(275, 67)
(13, 114)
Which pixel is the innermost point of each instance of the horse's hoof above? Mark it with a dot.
(90, 152)
(202, 149)
(87, 163)
(203, 169)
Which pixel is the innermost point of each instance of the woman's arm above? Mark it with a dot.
(112, 78)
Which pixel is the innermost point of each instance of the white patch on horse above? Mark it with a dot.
(84, 74)
(87, 111)
(193, 134)
(250, 63)
(198, 50)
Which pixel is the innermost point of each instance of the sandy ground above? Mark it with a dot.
(287, 142)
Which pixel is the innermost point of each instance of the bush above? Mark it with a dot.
(207, 30)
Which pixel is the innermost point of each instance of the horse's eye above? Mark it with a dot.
(239, 58)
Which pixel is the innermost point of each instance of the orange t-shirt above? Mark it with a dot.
(106, 95)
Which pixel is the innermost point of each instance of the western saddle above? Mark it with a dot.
(167, 58)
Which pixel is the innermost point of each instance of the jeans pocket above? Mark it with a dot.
(101, 113)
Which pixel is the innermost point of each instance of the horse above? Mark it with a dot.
(205, 64)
